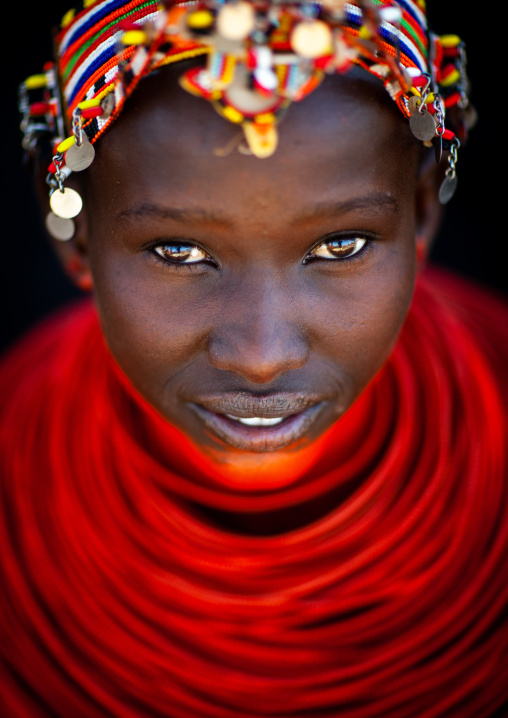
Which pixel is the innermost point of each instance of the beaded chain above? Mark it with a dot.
(258, 57)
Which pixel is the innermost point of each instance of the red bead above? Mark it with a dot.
(52, 168)
(91, 112)
(251, 59)
(127, 25)
(452, 100)
(447, 70)
(448, 135)
(40, 108)
(450, 51)
(419, 81)
(323, 62)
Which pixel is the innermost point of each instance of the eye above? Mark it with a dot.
(180, 253)
(338, 248)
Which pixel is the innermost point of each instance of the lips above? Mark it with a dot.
(258, 423)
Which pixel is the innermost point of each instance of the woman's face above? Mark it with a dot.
(251, 301)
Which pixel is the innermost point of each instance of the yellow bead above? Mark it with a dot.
(262, 141)
(232, 115)
(34, 82)
(266, 118)
(86, 104)
(68, 18)
(364, 33)
(229, 68)
(88, 3)
(430, 98)
(135, 37)
(450, 40)
(64, 146)
(452, 78)
(200, 19)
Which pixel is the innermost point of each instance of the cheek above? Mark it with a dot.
(364, 314)
(158, 326)
(151, 331)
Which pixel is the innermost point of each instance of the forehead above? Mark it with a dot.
(345, 136)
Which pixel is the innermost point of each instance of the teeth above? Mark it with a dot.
(257, 420)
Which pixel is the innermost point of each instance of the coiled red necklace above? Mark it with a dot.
(121, 599)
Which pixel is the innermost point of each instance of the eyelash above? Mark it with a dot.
(198, 265)
(182, 266)
(354, 257)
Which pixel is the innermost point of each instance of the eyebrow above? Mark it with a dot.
(372, 204)
(176, 214)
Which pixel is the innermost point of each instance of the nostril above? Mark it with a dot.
(257, 357)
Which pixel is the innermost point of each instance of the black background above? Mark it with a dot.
(471, 239)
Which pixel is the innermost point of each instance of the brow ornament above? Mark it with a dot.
(259, 57)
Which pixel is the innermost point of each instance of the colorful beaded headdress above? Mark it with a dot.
(258, 57)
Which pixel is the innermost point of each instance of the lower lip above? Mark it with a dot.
(258, 439)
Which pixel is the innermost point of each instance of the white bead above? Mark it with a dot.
(390, 14)
(263, 56)
(266, 78)
(413, 71)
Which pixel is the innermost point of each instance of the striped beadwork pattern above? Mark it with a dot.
(106, 48)
(90, 53)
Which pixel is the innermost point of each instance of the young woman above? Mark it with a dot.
(263, 474)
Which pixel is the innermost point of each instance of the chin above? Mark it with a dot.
(249, 471)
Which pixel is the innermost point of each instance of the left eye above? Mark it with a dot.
(338, 248)
(181, 253)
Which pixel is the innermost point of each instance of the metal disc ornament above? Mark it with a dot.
(413, 104)
(422, 125)
(66, 204)
(80, 157)
(236, 21)
(447, 189)
(246, 100)
(108, 105)
(60, 228)
(311, 39)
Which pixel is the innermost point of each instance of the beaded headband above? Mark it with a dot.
(258, 57)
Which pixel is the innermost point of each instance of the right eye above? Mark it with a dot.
(180, 253)
(339, 248)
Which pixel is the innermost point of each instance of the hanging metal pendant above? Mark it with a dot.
(66, 204)
(311, 39)
(80, 157)
(60, 228)
(246, 100)
(447, 189)
(422, 125)
(108, 105)
(236, 21)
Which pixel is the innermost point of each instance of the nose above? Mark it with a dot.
(259, 335)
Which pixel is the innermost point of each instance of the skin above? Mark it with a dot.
(259, 318)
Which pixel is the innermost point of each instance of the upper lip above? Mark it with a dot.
(245, 404)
